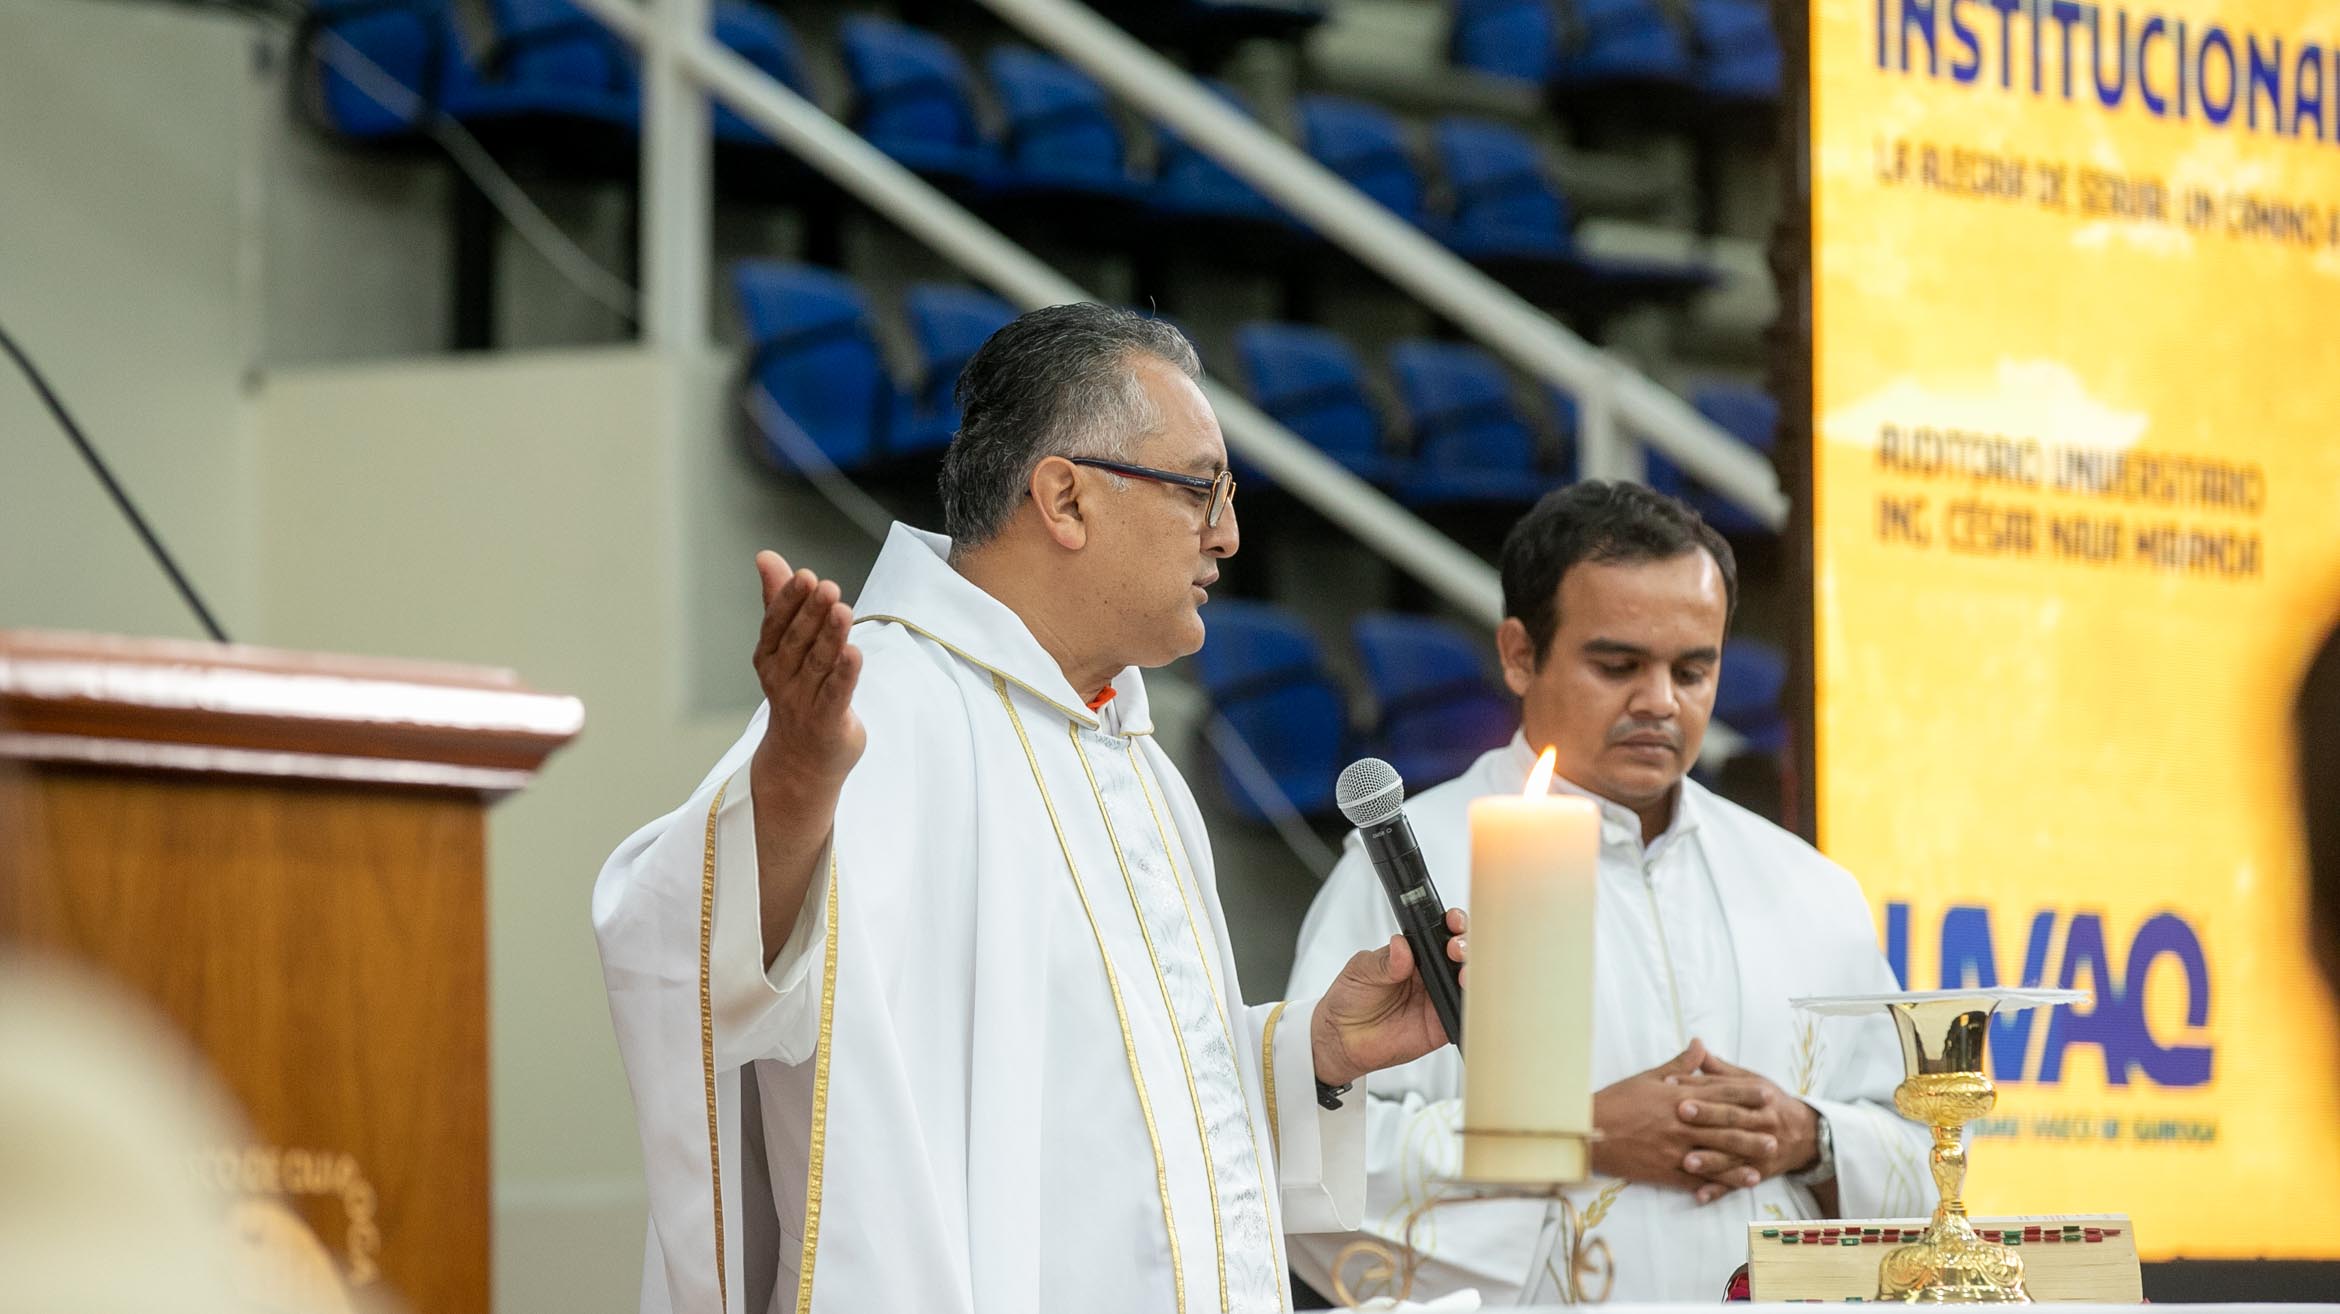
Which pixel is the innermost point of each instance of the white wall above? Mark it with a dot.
(584, 518)
(126, 272)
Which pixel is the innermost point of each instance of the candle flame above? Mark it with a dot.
(1539, 781)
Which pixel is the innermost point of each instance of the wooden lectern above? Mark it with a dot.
(285, 854)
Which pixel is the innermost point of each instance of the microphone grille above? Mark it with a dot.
(1369, 792)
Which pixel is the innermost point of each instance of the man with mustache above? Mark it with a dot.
(925, 995)
(1717, 1104)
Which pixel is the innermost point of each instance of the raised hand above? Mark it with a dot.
(808, 667)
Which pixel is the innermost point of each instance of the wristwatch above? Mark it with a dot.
(1330, 1096)
(1823, 1167)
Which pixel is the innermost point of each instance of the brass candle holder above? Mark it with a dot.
(1577, 1264)
(1945, 1086)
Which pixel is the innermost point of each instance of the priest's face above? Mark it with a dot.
(1156, 554)
(1626, 686)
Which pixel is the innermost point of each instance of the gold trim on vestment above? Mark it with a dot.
(817, 1154)
(1087, 718)
(1186, 896)
(707, 1037)
(1202, 1131)
(1267, 1071)
(1268, 1199)
(999, 684)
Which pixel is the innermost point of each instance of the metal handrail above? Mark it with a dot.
(910, 202)
(683, 61)
(1606, 389)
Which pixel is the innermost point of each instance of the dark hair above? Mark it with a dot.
(1058, 381)
(2315, 723)
(1603, 522)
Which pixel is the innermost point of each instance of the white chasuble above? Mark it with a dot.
(1003, 1063)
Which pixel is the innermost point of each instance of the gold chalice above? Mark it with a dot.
(1945, 1086)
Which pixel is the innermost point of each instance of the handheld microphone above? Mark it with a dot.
(1372, 797)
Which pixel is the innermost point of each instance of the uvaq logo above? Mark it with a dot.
(2116, 1024)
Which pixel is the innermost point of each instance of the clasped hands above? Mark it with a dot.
(1698, 1124)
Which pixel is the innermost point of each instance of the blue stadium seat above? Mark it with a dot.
(1310, 381)
(1748, 696)
(549, 60)
(1190, 185)
(1437, 709)
(552, 59)
(1470, 444)
(1561, 410)
(1504, 203)
(1738, 52)
(413, 42)
(1510, 220)
(1564, 413)
(1061, 133)
(1265, 674)
(1606, 42)
(1751, 416)
(758, 35)
(947, 323)
(1517, 39)
(1747, 414)
(815, 352)
(1365, 145)
(913, 97)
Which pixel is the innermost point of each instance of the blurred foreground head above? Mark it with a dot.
(105, 1120)
(2316, 727)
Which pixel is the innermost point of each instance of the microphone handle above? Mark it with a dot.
(1427, 934)
(1420, 913)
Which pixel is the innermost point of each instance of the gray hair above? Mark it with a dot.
(1059, 381)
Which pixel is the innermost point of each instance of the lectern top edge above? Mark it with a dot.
(192, 706)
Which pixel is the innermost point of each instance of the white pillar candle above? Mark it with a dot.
(1527, 1016)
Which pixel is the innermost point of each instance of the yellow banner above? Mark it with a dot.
(2076, 276)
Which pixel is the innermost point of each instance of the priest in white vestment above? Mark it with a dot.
(1718, 1104)
(925, 994)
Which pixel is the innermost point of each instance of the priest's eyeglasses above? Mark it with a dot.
(1221, 487)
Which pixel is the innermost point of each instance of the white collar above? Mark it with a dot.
(913, 585)
(1617, 820)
